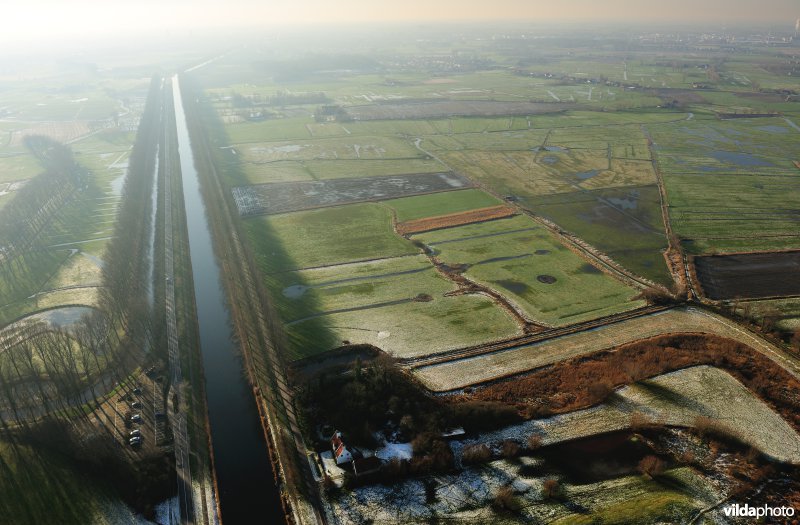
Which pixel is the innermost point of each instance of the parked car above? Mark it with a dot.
(137, 390)
(136, 433)
(136, 440)
(136, 418)
(136, 404)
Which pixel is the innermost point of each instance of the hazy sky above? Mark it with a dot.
(24, 19)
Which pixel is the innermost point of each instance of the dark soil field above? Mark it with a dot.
(771, 274)
(450, 108)
(282, 197)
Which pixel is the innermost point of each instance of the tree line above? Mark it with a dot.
(33, 207)
(54, 372)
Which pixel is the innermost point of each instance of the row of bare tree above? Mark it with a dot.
(35, 204)
(56, 372)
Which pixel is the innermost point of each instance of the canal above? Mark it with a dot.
(244, 474)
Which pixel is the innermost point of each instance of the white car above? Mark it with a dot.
(136, 433)
(136, 418)
(136, 440)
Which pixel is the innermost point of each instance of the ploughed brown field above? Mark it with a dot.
(749, 275)
(454, 219)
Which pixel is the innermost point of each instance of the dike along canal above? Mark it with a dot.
(244, 474)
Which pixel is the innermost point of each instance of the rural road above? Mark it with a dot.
(179, 431)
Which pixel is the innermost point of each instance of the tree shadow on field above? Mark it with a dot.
(314, 335)
(671, 396)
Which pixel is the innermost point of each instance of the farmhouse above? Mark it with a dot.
(340, 452)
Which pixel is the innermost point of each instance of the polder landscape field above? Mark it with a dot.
(79, 336)
(546, 247)
(468, 273)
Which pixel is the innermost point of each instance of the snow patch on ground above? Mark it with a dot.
(395, 450)
(168, 511)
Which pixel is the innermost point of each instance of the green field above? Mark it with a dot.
(625, 116)
(37, 486)
(587, 165)
(325, 237)
(748, 164)
(20, 166)
(380, 294)
(294, 171)
(51, 274)
(502, 255)
(420, 206)
(624, 223)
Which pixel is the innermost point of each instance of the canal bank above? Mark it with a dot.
(244, 473)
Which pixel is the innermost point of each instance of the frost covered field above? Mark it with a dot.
(676, 399)
(457, 374)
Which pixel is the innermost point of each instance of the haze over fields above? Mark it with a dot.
(38, 20)
(378, 262)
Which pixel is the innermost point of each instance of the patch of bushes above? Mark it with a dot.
(510, 449)
(480, 416)
(505, 501)
(651, 466)
(534, 441)
(551, 489)
(562, 387)
(474, 454)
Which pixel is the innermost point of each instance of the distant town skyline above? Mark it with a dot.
(47, 19)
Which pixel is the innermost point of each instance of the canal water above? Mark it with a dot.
(244, 474)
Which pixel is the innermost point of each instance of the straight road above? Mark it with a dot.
(176, 416)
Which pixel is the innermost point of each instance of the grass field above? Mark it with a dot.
(314, 305)
(625, 223)
(421, 206)
(748, 162)
(784, 313)
(458, 374)
(507, 173)
(635, 500)
(678, 398)
(510, 256)
(340, 274)
(324, 237)
(19, 166)
(49, 274)
(362, 147)
(39, 487)
(296, 171)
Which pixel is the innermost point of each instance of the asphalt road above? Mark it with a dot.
(182, 446)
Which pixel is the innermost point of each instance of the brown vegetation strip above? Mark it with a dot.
(587, 380)
(454, 219)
